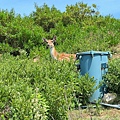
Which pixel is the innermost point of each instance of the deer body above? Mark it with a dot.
(58, 56)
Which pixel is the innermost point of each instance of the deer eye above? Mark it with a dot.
(52, 41)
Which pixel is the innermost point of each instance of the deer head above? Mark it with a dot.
(50, 43)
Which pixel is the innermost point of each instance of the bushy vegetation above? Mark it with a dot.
(33, 89)
(113, 76)
(48, 89)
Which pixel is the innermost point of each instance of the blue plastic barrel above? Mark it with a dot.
(95, 63)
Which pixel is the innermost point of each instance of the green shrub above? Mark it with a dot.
(20, 32)
(28, 105)
(58, 85)
(113, 76)
(46, 17)
(22, 100)
(5, 48)
(80, 28)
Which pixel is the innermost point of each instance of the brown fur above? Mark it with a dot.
(55, 54)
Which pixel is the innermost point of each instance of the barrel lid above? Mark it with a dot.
(94, 53)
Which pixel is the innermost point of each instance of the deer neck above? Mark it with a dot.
(54, 53)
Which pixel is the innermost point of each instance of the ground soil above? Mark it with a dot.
(94, 114)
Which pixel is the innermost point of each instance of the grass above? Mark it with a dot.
(92, 114)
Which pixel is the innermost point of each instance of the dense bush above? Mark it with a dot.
(46, 17)
(113, 76)
(48, 89)
(18, 99)
(18, 31)
(87, 28)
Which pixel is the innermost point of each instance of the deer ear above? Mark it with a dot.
(54, 39)
(45, 40)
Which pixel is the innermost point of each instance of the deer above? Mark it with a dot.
(56, 55)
